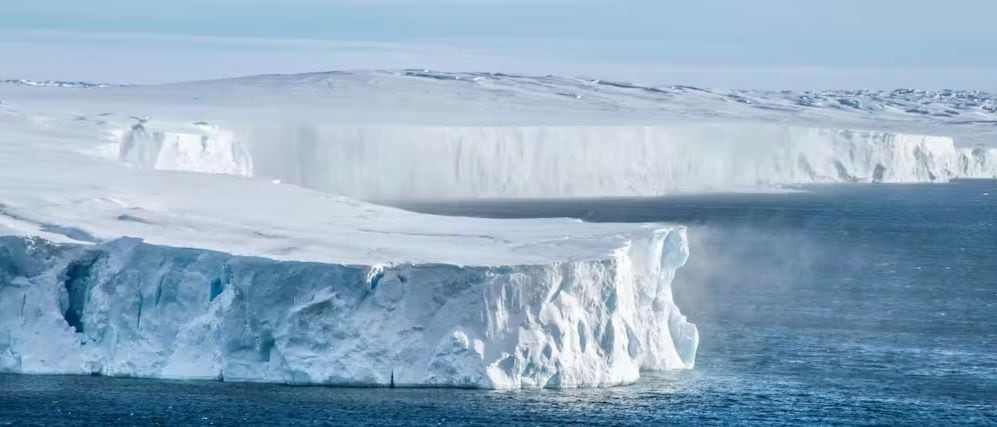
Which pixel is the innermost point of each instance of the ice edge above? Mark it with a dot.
(128, 308)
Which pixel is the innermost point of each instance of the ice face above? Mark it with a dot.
(589, 161)
(134, 309)
(396, 162)
(202, 148)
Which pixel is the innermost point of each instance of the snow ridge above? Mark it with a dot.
(55, 83)
(967, 115)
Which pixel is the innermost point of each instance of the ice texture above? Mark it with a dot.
(203, 148)
(129, 308)
(398, 162)
(606, 161)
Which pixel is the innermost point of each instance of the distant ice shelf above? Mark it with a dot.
(399, 162)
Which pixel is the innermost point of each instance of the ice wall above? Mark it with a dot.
(977, 162)
(427, 162)
(397, 162)
(133, 309)
(201, 147)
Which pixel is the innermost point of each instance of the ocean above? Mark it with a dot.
(837, 304)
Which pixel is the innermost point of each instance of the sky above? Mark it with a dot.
(769, 44)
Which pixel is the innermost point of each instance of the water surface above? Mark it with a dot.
(841, 304)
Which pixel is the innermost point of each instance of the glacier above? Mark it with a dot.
(219, 229)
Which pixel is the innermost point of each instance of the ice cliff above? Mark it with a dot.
(134, 309)
(396, 162)
(201, 147)
(467, 162)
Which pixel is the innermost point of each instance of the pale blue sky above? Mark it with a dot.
(729, 43)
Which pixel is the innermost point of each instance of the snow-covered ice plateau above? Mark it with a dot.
(216, 230)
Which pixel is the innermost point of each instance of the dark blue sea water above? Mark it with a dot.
(838, 305)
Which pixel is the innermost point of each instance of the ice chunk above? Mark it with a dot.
(201, 148)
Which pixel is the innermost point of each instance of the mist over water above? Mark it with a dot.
(869, 302)
(839, 304)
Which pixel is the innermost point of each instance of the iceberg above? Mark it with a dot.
(129, 308)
